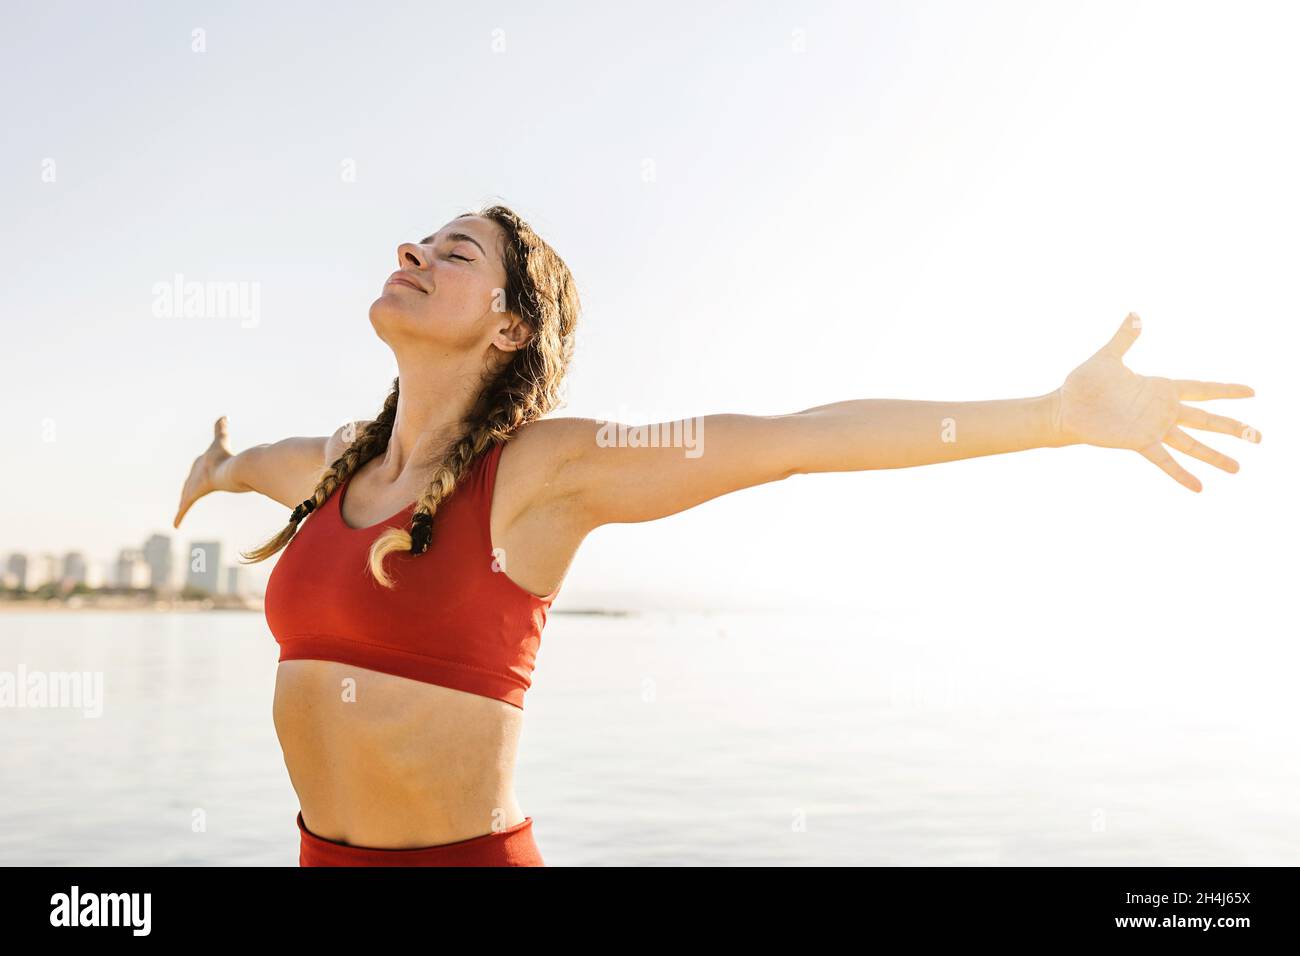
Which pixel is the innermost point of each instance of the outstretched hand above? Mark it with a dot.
(202, 476)
(1103, 403)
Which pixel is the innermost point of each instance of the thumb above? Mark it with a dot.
(1127, 334)
(181, 510)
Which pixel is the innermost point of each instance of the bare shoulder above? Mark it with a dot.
(547, 444)
(535, 457)
(343, 436)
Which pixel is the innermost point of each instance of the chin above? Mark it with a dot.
(383, 313)
(394, 319)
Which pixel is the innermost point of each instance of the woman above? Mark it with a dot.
(409, 607)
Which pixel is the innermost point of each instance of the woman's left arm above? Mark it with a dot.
(1101, 403)
(609, 473)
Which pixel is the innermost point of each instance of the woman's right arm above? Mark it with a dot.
(286, 471)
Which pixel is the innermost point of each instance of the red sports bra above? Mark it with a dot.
(453, 617)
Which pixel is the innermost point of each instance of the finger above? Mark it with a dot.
(1190, 390)
(1179, 439)
(1128, 332)
(1156, 453)
(1194, 417)
(221, 433)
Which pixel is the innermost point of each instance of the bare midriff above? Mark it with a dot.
(388, 762)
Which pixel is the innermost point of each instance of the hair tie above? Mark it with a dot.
(302, 511)
(421, 532)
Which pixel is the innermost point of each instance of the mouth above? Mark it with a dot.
(402, 278)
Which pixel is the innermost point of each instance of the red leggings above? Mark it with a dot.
(513, 846)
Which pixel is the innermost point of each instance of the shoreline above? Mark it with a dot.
(251, 605)
(161, 606)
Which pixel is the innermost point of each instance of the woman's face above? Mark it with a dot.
(448, 289)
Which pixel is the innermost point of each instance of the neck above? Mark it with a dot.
(434, 398)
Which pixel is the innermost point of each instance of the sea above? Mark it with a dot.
(926, 736)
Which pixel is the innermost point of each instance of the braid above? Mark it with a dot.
(502, 409)
(371, 441)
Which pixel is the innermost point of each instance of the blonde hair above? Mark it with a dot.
(539, 289)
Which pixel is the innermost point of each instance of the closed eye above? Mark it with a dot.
(462, 258)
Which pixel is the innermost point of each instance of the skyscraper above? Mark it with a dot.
(158, 555)
(130, 570)
(16, 571)
(74, 569)
(43, 569)
(204, 568)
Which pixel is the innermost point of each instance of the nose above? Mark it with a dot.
(411, 254)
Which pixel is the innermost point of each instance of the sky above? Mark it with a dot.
(767, 207)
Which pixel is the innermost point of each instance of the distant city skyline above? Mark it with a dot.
(151, 565)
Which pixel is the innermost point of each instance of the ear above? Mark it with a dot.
(512, 334)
